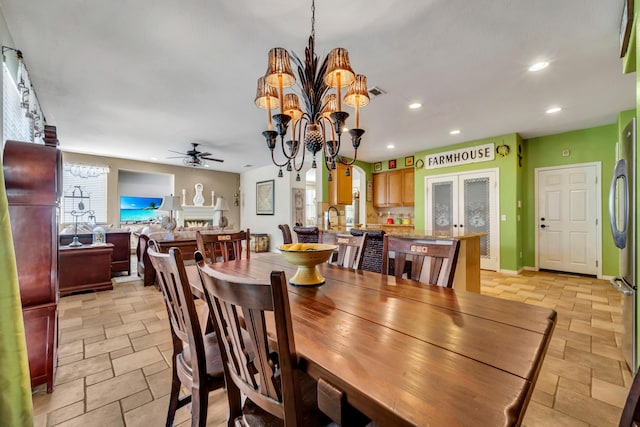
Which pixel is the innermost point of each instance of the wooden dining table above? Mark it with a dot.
(409, 354)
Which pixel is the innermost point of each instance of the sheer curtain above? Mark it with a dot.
(22, 116)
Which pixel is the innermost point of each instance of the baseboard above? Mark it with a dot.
(514, 272)
(530, 268)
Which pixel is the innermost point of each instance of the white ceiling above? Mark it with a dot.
(135, 79)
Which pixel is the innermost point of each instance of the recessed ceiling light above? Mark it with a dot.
(415, 105)
(539, 66)
(553, 110)
(455, 132)
(345, 129)
(390, 146)
(154, 158)
(206, 165)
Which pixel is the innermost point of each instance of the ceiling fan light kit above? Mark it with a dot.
(195, 158)
(319, 125)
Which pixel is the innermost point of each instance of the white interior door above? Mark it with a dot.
(466, 203)
(567, 219)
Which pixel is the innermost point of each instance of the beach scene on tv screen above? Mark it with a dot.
(139, 209)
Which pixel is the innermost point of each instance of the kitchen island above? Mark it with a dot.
(467, 275)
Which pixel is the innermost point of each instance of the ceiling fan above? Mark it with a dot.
(194, 157)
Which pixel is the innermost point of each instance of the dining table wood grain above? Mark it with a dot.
(410, 354)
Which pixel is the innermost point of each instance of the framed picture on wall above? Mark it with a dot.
(264, 198)
(408, 161)
(392, 164)
(377, 166)
(298, 206)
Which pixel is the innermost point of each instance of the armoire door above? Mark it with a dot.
(466, 203)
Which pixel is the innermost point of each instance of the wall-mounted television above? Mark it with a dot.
(139, 209)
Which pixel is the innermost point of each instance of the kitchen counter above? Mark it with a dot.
(467, 275)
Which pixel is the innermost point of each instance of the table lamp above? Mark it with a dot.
(169, 204)
(222, 206)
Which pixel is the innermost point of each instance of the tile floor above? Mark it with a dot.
(115, 347)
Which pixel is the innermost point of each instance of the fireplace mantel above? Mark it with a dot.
(203, 213)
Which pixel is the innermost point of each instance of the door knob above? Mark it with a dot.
(455, 225)
(543, 226)
(461, 225)
(541, 219)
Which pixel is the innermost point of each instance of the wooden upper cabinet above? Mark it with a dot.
(408, 187)
(379, 189)
(340, 191)
(394, 188)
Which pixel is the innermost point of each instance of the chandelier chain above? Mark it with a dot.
(313, 19)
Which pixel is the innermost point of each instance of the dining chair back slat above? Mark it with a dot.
(222, 247)
(349, 250)
(433, 261)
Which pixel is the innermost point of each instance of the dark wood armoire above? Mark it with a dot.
(33, 174)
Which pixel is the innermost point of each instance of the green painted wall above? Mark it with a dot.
(510, 243)
(585, 146)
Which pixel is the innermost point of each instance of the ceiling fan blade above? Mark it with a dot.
(211, 158)
(177, 152)
(174, 157)
(201, 154)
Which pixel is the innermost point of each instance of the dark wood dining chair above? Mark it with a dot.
(277, 391)
(217, 247)
(440, 257)
(196, 360)
(286, 234)
(307, 234)
(145, 269)
(372, 250)
(631, 412)
(349, 250)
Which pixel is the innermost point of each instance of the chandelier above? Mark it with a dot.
(321, 121)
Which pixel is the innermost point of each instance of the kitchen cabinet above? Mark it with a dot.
(394, 188)
(340, 190)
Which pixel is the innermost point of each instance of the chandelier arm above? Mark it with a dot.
(284, 152)
(343, 160)
(273, 159)
(297, 167)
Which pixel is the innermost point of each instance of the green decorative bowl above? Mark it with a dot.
(307, 256)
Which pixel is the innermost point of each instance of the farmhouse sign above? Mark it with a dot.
(463, 156)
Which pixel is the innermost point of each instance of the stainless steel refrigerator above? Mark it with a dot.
(622, 215)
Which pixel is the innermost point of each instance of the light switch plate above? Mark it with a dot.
(503, 217)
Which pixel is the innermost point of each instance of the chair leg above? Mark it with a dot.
(235, 404)
(199, 406)
(174, 396)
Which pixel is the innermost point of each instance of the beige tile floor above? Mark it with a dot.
(115, 346)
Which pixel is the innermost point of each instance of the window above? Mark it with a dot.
(95, 187)
(16, 125)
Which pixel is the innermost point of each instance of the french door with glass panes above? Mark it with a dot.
(463, 203)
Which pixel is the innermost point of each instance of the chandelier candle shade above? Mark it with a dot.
(320, 122)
